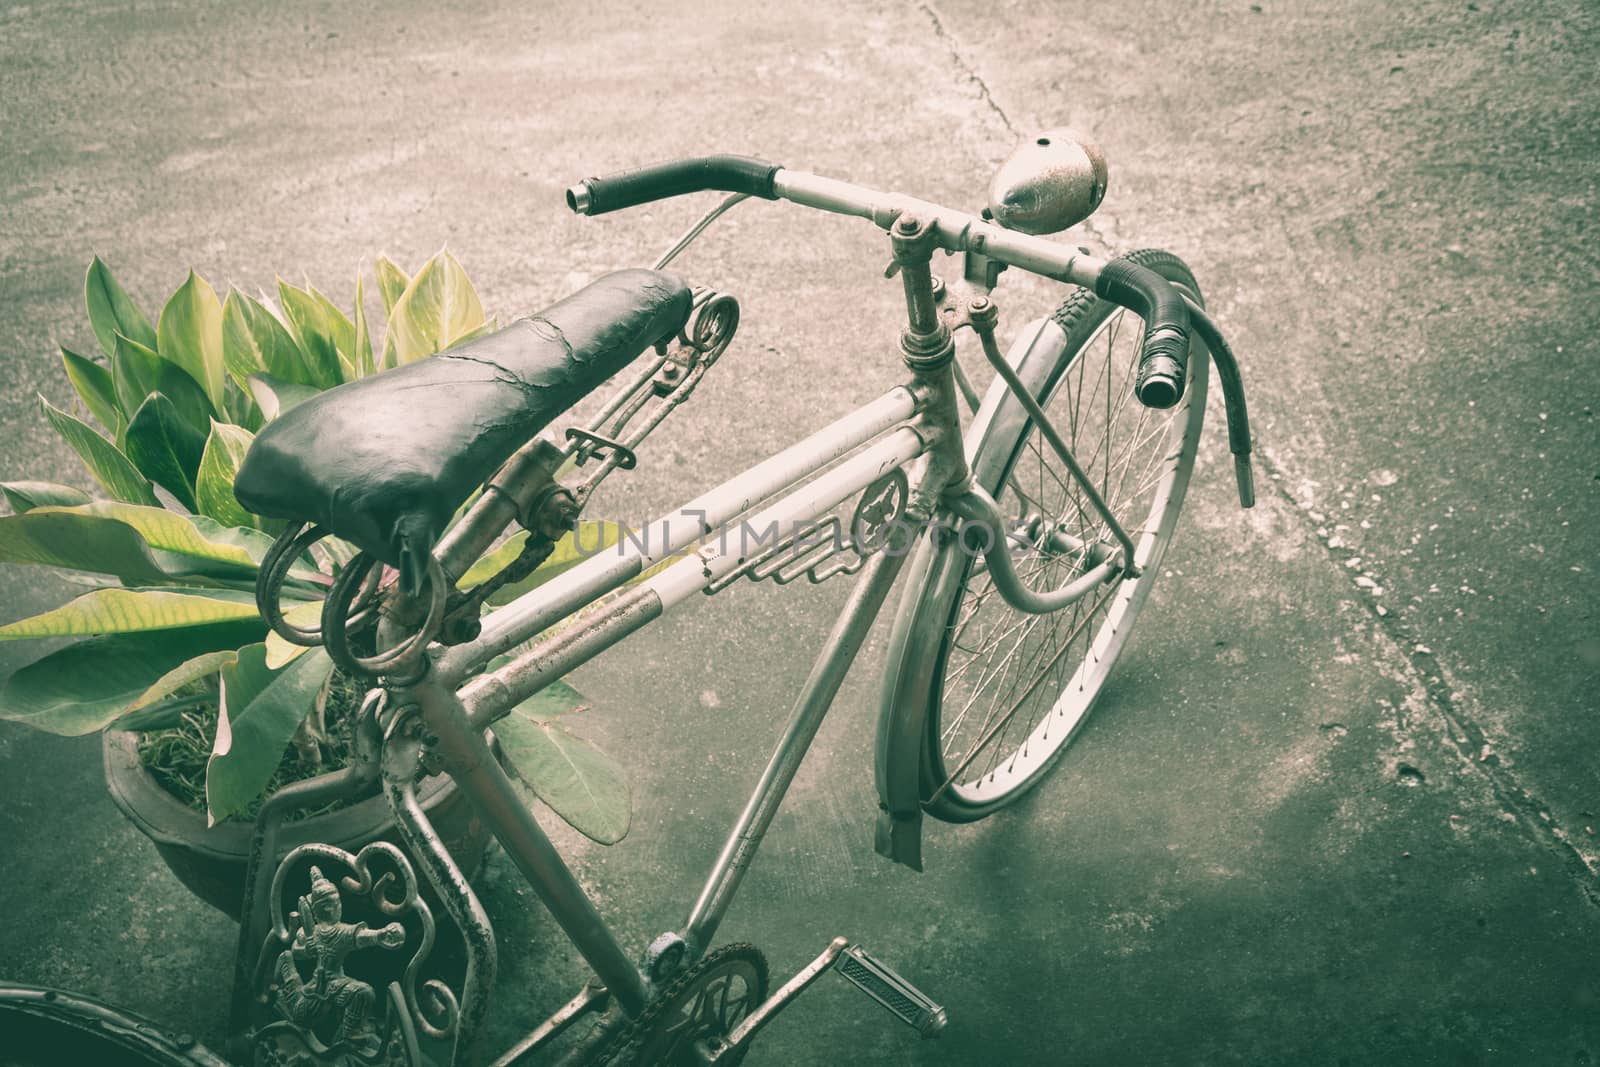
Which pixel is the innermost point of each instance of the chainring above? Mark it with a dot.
(707, 1000)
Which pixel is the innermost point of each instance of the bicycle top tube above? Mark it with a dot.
(957, 231)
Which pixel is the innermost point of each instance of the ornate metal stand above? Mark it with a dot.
(339, 980)
(335, 948)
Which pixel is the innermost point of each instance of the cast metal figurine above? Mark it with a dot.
(330, 996)
(314, 1011)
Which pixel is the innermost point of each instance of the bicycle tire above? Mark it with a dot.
(971, 768)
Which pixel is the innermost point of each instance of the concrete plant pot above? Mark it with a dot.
(211, 861)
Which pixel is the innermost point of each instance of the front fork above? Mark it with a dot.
(928, 349)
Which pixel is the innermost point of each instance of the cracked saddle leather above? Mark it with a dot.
(384, 462)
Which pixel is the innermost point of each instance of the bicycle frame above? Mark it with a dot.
(914, 425)
(435, 721)
(456, 720)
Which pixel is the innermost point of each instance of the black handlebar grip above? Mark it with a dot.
(630, 188)
(1160, 381)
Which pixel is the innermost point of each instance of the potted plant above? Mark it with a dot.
(202, 710)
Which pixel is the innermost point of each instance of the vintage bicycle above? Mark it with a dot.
(1025, 544)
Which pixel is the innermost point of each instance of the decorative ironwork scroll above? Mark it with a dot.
(339, 980)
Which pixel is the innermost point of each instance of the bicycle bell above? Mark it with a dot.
(1050, 182)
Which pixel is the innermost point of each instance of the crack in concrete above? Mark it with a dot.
(968, 66)
(1469, 739)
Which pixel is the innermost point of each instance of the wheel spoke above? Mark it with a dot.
(1022, 663)
(953, 775)
(1014, 686)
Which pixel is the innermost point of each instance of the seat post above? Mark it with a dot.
(510, 496)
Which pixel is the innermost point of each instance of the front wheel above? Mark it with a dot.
(1006, 691)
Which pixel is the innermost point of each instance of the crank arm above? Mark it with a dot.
(902, 999)
(714, 1049)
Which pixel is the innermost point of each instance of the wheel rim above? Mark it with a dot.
(1014, 688)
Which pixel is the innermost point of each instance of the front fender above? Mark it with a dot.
(932, 577)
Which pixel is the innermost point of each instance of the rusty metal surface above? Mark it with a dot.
(459, 747)
(1052, 181)
(402, 768)
(358, 778)
(313, 1010)
(60, 1022)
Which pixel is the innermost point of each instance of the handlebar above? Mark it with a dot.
(630, 188)
(1160, 381)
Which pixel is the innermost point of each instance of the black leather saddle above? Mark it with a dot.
(384, 462)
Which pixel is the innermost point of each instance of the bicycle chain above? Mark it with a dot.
(627, 1043)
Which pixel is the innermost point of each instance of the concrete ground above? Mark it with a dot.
(1317, 820)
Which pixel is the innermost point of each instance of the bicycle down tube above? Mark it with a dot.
(454, 721)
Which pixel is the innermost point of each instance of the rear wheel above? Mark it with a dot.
(1008, 690)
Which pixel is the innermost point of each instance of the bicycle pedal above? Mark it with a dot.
(880, 982)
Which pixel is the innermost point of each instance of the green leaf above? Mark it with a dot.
(261, 710)
(165, 448)
(188, 399)
(274, 396)
(254, 543)
(137, 373)
(110, 468)
(86, 686)
(189, 671)
(573, 776)
(190, 335)
(60, 538)
(490, 325)
(120, 611)
(191, 536)
(255, 342)
(306, 615)
(439, 307)
(392, 281)
(95, 388)
(591, 537)
(363, 342)
(25, 496)
(139, 545)
(239, 407)
(112, 311)
(550, 703)
(214, 488)
(339, 327)
(163, 714)
(307, 312)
